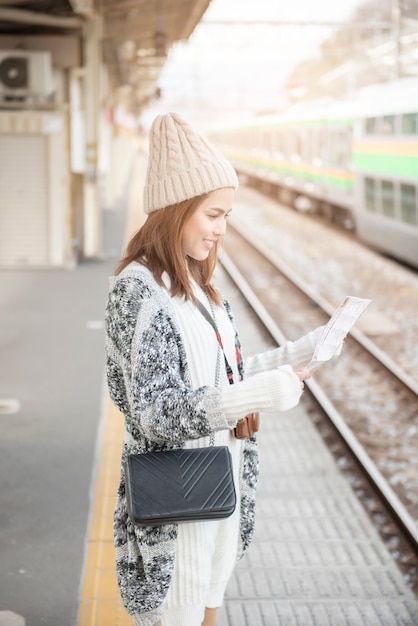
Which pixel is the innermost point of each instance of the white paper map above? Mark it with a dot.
(334, 333)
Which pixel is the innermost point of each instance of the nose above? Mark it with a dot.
(220, 228)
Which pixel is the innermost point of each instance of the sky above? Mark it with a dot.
(237, 67)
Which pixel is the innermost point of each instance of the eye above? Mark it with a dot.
(218, 215)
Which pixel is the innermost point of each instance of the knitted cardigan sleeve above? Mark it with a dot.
(295, 353)
(147, 372)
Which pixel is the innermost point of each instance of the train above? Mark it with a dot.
(354, 160)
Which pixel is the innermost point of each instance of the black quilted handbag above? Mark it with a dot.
(180, 486)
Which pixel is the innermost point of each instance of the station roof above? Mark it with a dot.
(136, 34)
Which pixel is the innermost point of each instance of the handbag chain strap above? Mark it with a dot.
(212, 321)
(217, 375)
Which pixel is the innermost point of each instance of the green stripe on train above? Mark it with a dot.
(321, 123)
(385, 164)
(297, 173)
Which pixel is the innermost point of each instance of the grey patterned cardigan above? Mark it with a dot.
(149, 382)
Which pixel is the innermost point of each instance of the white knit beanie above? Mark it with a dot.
(182, 164)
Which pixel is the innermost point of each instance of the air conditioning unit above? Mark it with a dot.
(25, 74)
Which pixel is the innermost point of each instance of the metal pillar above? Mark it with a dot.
(92, 244)
(396, 34)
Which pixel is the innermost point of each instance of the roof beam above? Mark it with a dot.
(30, 17)
(198, 8)
(84, 7)
(273, 23)
(15, 2)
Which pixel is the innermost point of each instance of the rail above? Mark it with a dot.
(397, 510)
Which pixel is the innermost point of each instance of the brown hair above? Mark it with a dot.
(158, 245)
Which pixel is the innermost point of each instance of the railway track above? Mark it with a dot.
(371, 403)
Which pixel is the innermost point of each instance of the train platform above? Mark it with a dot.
(316, 559)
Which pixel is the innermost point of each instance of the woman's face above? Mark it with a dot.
(207, 223)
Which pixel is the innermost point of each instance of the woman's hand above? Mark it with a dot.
(303, 374)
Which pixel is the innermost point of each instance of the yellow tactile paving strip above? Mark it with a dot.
(100, 601)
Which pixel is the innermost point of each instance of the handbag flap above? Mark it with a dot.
(180, 485)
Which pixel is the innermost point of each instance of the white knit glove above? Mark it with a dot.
(275, 390)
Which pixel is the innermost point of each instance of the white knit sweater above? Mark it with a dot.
(270, 385)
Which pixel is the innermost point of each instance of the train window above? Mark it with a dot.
(307, 145)
(338, 149)
(323, 144)
(370, 193)
(268, 142)
(278, 145)
(298, 144)
(273, 141)
(250, 139)
(387, 125)
(290, 143)
(409, 124)
(314, 144)
(370, 126)
(409, 204)
(262, 140)
(388, 198)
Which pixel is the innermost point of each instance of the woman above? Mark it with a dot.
(166, 377)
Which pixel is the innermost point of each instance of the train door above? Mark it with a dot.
(339, 180)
